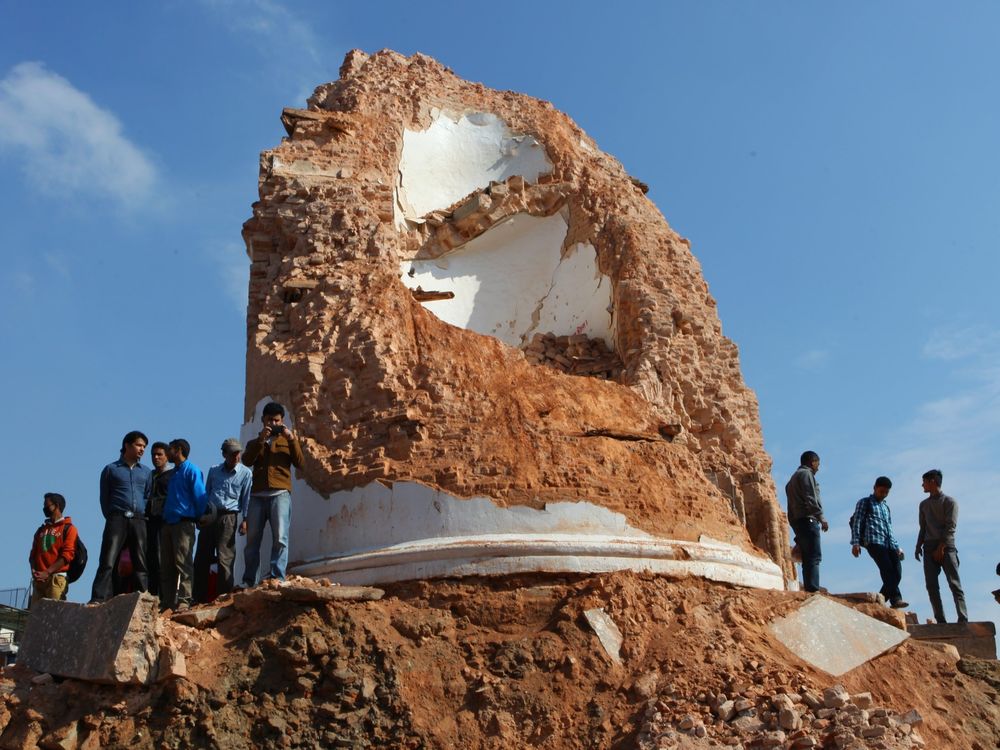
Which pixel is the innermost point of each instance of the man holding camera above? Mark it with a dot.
(271, 455)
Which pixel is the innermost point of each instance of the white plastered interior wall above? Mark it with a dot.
(402, 530)
(512, 281)
(457, 155)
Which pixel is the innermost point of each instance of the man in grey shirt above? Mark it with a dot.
(936, 543)
(805, 515)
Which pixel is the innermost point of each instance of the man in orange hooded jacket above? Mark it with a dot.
(53, 549)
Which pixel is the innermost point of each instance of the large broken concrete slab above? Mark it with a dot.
(970, 638)
(114, 642)
(833, 637)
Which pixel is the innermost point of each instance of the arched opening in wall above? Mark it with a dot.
(514, 282)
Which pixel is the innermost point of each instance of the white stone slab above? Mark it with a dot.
(607, 632)
(513, 281)
(834, 637)
(455, 157)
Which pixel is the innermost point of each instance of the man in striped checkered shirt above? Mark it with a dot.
(871, 528)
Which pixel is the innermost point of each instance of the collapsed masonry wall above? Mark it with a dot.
(383, 389)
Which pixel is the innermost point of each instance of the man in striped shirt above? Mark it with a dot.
(871, 528)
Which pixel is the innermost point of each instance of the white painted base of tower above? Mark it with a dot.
(505, 554)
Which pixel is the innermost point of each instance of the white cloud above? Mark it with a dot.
(233, 266)
(812, 359)
(959, 433)
(65, 142)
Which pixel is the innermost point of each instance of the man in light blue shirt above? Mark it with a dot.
(185, 504)
(228, 491)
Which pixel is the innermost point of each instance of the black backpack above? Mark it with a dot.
(865, 510)
(79, 561)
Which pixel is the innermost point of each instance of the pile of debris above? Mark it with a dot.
(503, 663)
(575, 355)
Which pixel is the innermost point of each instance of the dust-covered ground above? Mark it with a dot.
(513, 663)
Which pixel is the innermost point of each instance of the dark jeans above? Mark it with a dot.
(932, 571)
(119, 531)
(216, 543)
(807, 532)
(890, 568)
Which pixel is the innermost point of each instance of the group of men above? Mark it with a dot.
(156, 514)
(871, 529)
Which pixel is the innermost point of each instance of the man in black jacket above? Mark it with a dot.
(805, 515)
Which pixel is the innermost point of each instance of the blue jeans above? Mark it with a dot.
(276, 511)
(807, 537)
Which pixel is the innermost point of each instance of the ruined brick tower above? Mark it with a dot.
(498, 354)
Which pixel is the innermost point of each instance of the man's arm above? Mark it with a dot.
(856, 525)
(918, 552)
(950, 517)
(245, 494)
(809, 501)
(251, 453)
(198, 492)
(295, 451)
(106, 491)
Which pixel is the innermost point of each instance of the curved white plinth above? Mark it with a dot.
(503, 554)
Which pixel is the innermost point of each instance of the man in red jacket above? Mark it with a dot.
(52, 551)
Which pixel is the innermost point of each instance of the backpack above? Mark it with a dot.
(78, 563)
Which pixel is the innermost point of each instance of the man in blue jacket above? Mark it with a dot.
(124, 487)
(185, 504)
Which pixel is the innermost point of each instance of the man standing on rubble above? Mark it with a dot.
(936, 543)
(805, 515)
(124, 489)
(228, 490)
(271, 455)
(871, 528)
(185, 504)
(52, 551)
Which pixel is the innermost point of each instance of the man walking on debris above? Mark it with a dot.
(271, 455)
(228, 491)
(871, 528)
(805, 515)
(936, 542)
(185, 504)
(159, 483)
(52, 551)
(124, 488)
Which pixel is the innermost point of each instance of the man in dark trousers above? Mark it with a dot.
(271, 455)
(159, 484)
(805, 515)
(871, 528)
(124, 488)
(185, 505)
(228, 491)
(936, 543)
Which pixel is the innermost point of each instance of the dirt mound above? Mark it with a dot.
(510, 663)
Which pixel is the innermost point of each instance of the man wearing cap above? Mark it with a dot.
(228, 491)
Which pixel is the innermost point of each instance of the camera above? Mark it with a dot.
(277, 429)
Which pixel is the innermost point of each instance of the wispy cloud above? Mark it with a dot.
(233, 266)
(959, 433)
(812, 359)
(67, 144)
(284, 37)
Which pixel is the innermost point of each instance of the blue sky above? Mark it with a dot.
(836, 168)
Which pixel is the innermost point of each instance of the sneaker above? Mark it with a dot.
(899, 604)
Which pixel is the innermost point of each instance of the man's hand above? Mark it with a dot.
(265, 433)
(40, 575)
(288, 433)
(856, 550)
(243, 528)
(917, 554)
(900, 553)
(824, 525)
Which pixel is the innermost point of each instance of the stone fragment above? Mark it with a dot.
(726, 710)
(836, 697)
(862, 700)
(204, 616)
(120, 638)
(607, 632)
(834, 637)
